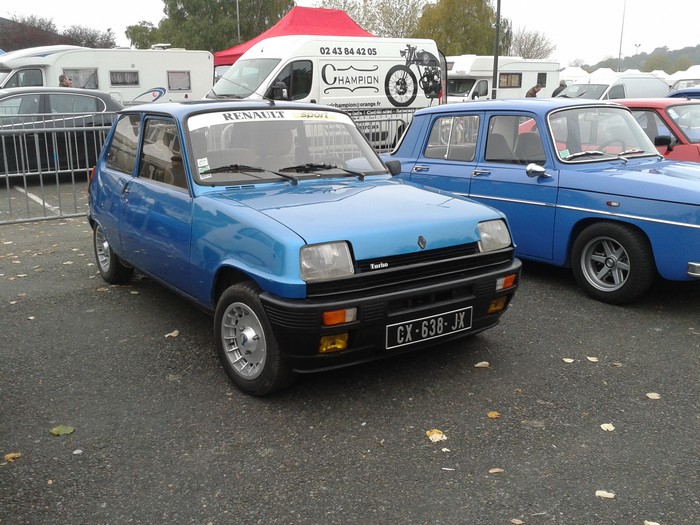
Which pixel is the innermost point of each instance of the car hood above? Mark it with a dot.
(358, 211)
(657, 180)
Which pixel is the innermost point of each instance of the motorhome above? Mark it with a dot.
(371, 75)
(622, 85)
(470, 77)
(131, 76)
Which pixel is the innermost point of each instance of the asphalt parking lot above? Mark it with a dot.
(161, 435)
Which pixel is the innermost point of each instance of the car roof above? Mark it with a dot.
(52, 89)
(537, 105)
(182, 110)
(659, 103)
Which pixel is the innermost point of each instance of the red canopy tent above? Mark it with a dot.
(298, 21)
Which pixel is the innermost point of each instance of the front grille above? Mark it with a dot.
(415, 269)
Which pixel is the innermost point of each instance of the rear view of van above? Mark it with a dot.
(637, 85)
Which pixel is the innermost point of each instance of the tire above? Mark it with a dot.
(111, 268)
(400, 86)
(613, 263)
(246, 344)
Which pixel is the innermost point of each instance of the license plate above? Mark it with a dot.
(426, 328)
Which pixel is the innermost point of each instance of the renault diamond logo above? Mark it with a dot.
(422, 242)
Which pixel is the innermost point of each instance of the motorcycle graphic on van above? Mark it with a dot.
(401, 85)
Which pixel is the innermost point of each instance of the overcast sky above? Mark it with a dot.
(588, 30)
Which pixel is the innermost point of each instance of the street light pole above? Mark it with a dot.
(238, 22)
(622, 30)
(494, 82)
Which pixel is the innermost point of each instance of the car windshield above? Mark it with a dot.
(245, 77)
(272, 145)
(588, 134)
(594, 91)
(687, 118)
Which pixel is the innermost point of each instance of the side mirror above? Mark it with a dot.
(663, 140)
(394, 166)
(535, 170)
(279, 91)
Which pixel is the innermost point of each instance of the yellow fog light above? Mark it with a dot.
(334, 317)
(333, 343)
(498, 305)
(505, 282)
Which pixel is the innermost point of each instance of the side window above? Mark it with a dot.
(26, 77)
(499, 140)
(82, 78)
(123, 78)
(542, 79)
(453, 138)
(64, 103)
(179, 81)
(651, 123)
(161, 158)
(617, 91)
(297, 76)
(24, 104)
(482, 89)
(121, 155)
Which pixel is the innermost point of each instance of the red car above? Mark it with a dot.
(673, 117)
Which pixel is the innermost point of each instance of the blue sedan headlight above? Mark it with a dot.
(320, 262)
(494, 235)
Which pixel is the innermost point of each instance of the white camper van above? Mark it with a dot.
(131, 76)
(623, 85)
(367, 74)
(470, 77)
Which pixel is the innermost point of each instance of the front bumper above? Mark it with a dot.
(298, 323)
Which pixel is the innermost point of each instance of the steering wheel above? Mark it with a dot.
(610, 142)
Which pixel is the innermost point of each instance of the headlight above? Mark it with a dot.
(321, 262)
(494, 235)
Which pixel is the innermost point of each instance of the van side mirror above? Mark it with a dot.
(279, 91)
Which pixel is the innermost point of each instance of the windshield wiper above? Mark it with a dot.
(232, 168)
(630, 151)
(587, 153)
(311, 167)
(244, 168)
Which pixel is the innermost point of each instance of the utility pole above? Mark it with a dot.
(622, 30)
(494, 83)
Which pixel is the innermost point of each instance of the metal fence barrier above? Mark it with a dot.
(45, 160)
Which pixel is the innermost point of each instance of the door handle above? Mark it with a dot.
(421, 168)
(476, 173)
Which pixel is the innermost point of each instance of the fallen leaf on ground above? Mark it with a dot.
(653, 395)
(604, 494)
(592, 359)
(174, 333)
(494, 414)
(10, 457)
(567, 360)
(608, 427)
(435, 435)
(650, 523)
(496, 470)
(482, 364)
(62, 430)
(516, 521)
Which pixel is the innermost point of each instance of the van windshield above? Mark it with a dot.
(594, 91)
(245, 77)
(459, 86)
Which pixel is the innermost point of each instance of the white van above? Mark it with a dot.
(631, 85)
(470, 77)
(131, 76)
(367, 74)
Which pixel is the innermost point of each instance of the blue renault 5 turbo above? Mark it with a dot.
(281, 221)
(582, 185)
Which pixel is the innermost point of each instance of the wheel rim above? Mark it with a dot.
(102, 250)
(243, 337)
(605, 264)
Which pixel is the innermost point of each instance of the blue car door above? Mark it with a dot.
(446, 160)
(501, 179)
(157, 208)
